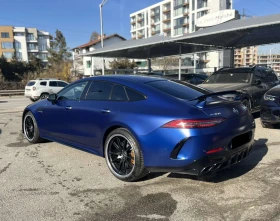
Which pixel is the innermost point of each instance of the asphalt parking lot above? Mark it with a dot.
(50, 181)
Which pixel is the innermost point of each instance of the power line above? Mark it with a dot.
(273, 3)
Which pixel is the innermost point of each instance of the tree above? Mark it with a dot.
(36, 64)
(122, 64)
(165, 63)
(59, 52)
(66, 73)
(94, 36)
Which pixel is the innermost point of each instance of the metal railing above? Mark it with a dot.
(11, 92)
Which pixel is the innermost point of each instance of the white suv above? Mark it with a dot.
(41, 88)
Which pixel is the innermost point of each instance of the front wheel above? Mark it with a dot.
(247, 104)
(44, 96)
(124, 156)
(30, 128)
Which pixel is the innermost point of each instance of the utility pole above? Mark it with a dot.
(102, 36)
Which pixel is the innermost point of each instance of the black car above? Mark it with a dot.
(254, 82)
(191, 78)
(270, 108)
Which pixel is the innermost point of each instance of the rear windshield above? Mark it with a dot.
(178, 89)
(31, 83)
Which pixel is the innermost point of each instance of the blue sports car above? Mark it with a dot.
(144, 124)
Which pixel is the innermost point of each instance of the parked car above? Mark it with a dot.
(191, 78)
(270, 108)
(144, 124)
(254, 82)
(41, 88)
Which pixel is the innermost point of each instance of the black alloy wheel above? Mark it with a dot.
(123, 156)
(44, 96)
(30, 128)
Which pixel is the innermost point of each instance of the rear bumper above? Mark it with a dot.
(211, 163)
(188, 151)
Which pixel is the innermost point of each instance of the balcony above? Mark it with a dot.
(186, 14)
(167, 30)
(133, 22)
(140, 20)
(185, 24)
(186, 4)
(153, 25)
(166, 11)
(166, 20)
(133, 38)
(140, 35)
(205, 61)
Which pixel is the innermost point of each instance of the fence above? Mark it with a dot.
(11, 92)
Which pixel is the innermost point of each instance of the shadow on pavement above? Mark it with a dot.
(3, 101)
(0, 131)
(258, 152)
(256, 115)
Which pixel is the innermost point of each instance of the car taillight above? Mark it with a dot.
(190, 124)
(34, 88)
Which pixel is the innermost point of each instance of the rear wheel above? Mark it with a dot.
(269, 126)
(44, 96)
(123, 156)
(30, 128)
(33, 100)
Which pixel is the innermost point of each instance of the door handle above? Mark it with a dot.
(106, 111)
(68, 108)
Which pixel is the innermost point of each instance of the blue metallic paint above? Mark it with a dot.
(84, 125)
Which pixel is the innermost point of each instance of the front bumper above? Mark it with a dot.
(270, 113)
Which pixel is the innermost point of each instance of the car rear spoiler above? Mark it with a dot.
(218, 98)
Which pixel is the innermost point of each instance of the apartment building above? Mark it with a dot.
(23, 42)
(272, 60)
(90, 66)
(175, 18)
(246, 56)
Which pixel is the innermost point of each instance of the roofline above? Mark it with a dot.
(105, 38)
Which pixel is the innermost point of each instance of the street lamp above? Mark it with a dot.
(101, 25)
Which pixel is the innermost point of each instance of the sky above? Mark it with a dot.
(77, 19)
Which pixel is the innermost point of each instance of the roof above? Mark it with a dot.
(90, 43)
(233, 34)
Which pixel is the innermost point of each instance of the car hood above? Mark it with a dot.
(223, 87)
(274, 91)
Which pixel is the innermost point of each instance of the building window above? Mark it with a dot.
(202, 13)
(178, 2)
(193, 5)
(157, 10)
(178, 11)
(201, 4)
(19, 55)
(44, 56)
(193, 22)
(178, 22)
(157, 18)
(32, 47)
(42, 37)
(8, 55)
(5, 34)
(43, 47)
(17, 45)
(7, 45)
(178, 31)
(30, 37)
(18, 34)
(88, 64)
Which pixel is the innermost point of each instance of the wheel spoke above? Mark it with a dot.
(114, 153)
(116, 145)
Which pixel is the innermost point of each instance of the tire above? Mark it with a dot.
(269, 126)
(123, 156)
(30, 129)
(247, 104)
(44, 96)
(33, 100)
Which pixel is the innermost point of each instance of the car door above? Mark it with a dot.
(56, 118)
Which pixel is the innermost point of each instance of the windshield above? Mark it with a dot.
(228, 78)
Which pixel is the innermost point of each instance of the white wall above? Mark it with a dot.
(22, 40)
(96, 63)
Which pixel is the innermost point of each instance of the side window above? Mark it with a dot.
(199, 80)
(99, 90)
(43, 83)
(53, 84)
(258, 74)
(134, 95)
(73, 92)
(62, 84)
(118, 94)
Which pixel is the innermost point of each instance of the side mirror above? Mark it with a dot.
(257, 82)
(52, 97)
